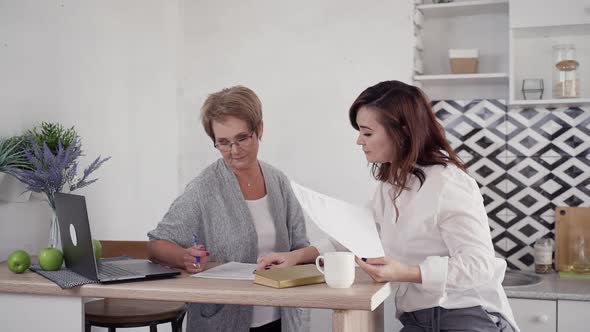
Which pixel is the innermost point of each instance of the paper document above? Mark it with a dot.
(231, 270)
(352, 226)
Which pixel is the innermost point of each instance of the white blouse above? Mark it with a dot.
(265, 229)
(443, 228)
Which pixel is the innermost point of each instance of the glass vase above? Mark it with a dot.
(54, 237)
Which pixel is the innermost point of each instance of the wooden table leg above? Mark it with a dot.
(358, 320)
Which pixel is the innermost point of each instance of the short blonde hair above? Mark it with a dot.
(237, 101)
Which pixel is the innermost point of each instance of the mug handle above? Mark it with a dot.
(317, 264)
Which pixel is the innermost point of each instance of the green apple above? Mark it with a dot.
(50, 259)
(97, 249)
(19, 261)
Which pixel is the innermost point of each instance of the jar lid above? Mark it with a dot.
(567, 65)
(544, 242)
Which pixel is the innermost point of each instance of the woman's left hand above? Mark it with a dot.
(388, 269)
(277, 259)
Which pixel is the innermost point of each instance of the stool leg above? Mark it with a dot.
(176, 325)
(153, 327)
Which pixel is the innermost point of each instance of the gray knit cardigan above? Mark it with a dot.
(213, 207)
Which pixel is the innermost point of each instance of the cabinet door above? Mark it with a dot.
(539, 13)
(573, 316)
(535, 315)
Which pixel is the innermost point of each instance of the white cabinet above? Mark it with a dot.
(535, 315)
(533, 27)
(536, 27)
(542, 13)
(478, 24)
(573, 316)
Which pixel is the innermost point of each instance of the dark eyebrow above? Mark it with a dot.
(365, 127)
(239, 135)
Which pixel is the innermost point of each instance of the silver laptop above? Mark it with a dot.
(78, 250)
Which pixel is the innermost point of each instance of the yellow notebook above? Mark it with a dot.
(291, 276)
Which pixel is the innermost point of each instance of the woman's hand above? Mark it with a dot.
(388, 269)
(284, 259)
(190, 258)
(277, 259)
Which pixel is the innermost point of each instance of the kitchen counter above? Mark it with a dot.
(553, 288)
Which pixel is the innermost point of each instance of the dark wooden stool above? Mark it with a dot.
(124, 313)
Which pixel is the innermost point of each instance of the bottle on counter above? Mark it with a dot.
(581, 264)
(543, 255)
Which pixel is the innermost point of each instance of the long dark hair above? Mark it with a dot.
(418, 138)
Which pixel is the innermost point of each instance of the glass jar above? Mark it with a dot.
(566, 82)
(581, 264)
(543, 255)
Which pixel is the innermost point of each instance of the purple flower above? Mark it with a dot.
(51, 172)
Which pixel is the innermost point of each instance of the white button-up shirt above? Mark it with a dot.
(443, 228)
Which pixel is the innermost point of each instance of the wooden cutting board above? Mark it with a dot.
(571, 223)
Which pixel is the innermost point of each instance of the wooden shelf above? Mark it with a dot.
(447, 78)
(463, 8)
(550, 102)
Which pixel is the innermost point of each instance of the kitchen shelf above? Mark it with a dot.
(447, 78)
(532, 57)
(475, 7)
(552, 31)
(566, 102)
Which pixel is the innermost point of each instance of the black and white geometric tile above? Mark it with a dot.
(550, 132)
(526, 162)
(475, 128)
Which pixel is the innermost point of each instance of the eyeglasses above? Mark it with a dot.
(240, 141)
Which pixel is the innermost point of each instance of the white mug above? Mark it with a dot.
(338, 268)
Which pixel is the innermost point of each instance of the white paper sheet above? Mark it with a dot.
(231, 270)
(352, 226)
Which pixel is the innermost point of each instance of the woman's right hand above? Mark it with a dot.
(190, 258)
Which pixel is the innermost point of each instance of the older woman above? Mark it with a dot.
(237, 209)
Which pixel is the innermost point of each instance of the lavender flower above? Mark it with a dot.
(51, 172)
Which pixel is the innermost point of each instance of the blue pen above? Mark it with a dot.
(198, 258)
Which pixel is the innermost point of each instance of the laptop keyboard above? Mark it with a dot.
(108, 271)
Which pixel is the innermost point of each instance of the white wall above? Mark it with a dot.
(307, 61)
(110, 69)
(131, 76)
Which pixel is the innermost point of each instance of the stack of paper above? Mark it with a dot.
(231, 271)
(352, 226)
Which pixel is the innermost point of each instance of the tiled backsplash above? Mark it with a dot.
(526, 161)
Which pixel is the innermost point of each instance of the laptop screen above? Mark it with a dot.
(74, 229)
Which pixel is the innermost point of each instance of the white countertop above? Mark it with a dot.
(553, 288)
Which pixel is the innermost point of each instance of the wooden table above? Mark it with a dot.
(29, 302)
